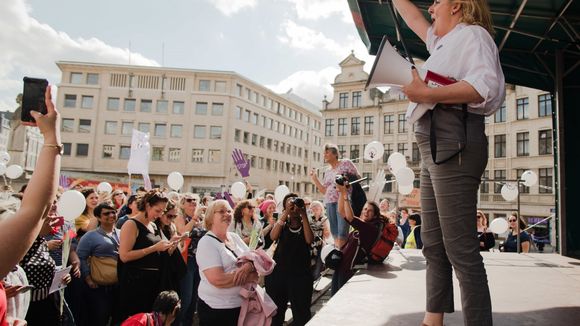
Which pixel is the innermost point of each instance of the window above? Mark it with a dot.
(269, 144)
(342, 126)
(160, 130)
(68, 125)
(343, 100)
(341, 151)
(389, 185)
(92, 79)
(110, 127)
(86, 102)
(402, 123)
(545, 142)
(500, 145)
(237, 135)
(239, 89)
(108, 151)
(238, 113)
(484, 186)
(220, 86)
(545, 181)
(113, 103)
(246, 116)
(66, 149)
(215, 132)
(388, 122)
(246, 137)
(176, 131)
(157, 153)
(174, 154)
(498, 175)
(254, 139)
(129, 105)
(217, 109)
(70, 101)
(269, 123)
(76, 77)
(84, 126)
(144, 127)
(354, 152)
(355, 126)
(415, 155)
(388, 152)
(201, 108)
(500, 115)
(523, 143)
(82, 149)
(162, 106)
(544, 105)
(356, 97)
(255, 119)
(214, 156)
(328, 127)
(262, 141)
(126, 128)
(197, 155)
(369, 125)
(402, 148)
(178, 107)
(124, 152)
(199, 131)
(522, 108)
(146, 105)
(204, 86)
(523, 189)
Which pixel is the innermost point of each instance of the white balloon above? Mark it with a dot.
(509, 191)
(405, 190)
(105, 187)
(71, 205)
(173, 196)
(405, 176)
(175, 180)
(238, 190)
(2, 168)
(280, 192)
(4, 157)
(14, 171)
(530, 178)
(498, 225)
(396, 162)
(374, 151)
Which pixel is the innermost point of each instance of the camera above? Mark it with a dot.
(340, 179)
(298, 202)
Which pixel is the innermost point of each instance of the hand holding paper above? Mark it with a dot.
(241, 163)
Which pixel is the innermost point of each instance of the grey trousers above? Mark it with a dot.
(448, 204)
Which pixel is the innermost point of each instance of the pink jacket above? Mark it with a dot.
(257, 307)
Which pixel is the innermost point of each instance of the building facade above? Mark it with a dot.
(520, 138)
(195, 119)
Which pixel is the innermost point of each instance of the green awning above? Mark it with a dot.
(529, 35)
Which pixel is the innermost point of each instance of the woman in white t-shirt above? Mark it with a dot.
(221, 281)
(454, 148)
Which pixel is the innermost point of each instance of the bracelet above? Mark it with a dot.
(59, 147)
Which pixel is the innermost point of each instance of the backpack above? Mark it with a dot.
(384, 242)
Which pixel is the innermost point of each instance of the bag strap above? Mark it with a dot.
(433, 137)
(228, 248)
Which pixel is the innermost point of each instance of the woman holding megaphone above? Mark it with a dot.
(453, 147)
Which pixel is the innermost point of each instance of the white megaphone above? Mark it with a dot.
(391, 69)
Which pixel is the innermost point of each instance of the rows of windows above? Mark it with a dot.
(545, 180)
(388, 125)
(343, 99)
(522, 108)
(523, 144)
(271, 144)
(84, 78)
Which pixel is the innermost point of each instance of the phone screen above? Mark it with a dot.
(275, 215)
(33, 99)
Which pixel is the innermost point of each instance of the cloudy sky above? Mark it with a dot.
(282, 44)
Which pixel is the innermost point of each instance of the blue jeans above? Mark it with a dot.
(188, 293)
(338, 225)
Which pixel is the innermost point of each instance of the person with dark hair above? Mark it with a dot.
(87, 220)
(245, 222)
(140, 255)
(165, 308)
(403, 223)
(98, 251)
(413, 240)
(511, 243)
(485, 236)
(127, 211)
(291, 279)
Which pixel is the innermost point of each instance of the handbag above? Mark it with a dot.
(103, 270)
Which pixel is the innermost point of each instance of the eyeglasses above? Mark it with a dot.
(190, 200)
(224, 211)
(171, 216)
(109, 213)
(512, 220)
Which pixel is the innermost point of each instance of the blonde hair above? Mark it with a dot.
(476, 12)
(213, 207)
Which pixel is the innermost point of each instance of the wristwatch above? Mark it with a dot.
(59, 147)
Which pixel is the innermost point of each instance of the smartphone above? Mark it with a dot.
(275, 214)
(26, 288)
(33, 99)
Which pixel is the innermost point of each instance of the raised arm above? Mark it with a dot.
(18, 232)
(413, 17)
(344, 208)
(319, 186)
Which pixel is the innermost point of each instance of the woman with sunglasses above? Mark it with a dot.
(511, 243)
(245, 222)
(486, 238)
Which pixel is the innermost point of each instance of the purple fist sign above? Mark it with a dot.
(242, 165)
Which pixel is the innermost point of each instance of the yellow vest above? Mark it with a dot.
(411, 243)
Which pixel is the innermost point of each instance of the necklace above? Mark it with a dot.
(295, 231)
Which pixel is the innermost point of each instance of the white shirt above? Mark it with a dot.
(468, 53)
(212, 253)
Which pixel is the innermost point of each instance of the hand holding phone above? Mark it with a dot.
(33, 99)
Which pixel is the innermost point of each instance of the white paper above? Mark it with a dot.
(57, 282)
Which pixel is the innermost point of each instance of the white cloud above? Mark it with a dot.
(317, 9)
(308, 84)
(230, 7)
(30, 48)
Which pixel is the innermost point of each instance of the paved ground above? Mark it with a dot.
(526, 289)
